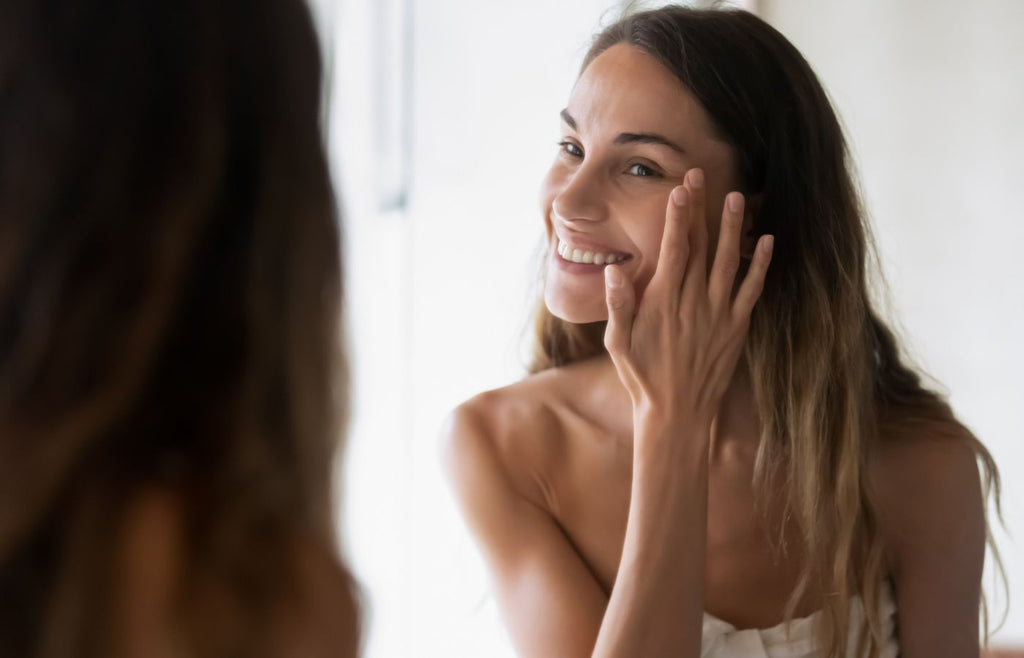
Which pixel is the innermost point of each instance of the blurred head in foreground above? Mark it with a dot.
(171, 383)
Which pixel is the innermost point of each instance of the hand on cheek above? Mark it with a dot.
(676, 346)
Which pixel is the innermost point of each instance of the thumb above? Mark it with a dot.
(619, 296)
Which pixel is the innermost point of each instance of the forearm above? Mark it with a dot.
(656, 605)
(675, 351)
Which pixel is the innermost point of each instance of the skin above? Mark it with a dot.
(612, 498)
(615, 194)
(316, 618)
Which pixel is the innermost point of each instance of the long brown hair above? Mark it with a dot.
(828, 375)
(170, 290)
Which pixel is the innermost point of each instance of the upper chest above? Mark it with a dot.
(748, 577)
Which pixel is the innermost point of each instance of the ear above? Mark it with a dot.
(748, 241)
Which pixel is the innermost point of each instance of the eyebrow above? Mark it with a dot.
(630, 138)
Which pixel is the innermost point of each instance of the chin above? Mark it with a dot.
(574, 309)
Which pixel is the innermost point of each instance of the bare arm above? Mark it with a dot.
(675, 354)
(935, 527)
(550, 601)
(656, 607)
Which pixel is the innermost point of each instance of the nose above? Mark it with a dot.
(582, 197)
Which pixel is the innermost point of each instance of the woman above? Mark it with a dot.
(718, 434)
(170, 380)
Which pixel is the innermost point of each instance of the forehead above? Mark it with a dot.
(626, 89)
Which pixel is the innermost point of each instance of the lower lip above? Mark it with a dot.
(579, 268)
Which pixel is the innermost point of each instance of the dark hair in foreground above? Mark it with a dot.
(170, 291)
(828, 375)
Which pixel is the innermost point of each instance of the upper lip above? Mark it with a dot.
(584, 244)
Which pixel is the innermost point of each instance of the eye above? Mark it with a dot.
(642, 171)
(571, 148)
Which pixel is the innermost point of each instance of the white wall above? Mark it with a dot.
(932, 95)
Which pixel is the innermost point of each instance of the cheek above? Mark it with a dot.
(550, 187)
(646, 235)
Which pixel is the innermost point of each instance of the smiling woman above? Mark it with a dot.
(719, 436)
(631, 134)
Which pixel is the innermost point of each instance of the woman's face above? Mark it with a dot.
(630, 133)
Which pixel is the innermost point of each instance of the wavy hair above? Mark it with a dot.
(170, 290)
(829, 379)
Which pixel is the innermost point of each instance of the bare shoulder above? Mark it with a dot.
(321, 617)
(930, 495)
(516, 428)
(932, 520)
(907, 462)
(500, 449)
(150, 550)
(316, 616)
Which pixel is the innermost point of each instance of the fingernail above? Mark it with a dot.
(768, 244)
(612, 276)
(734, 201)
(679, 196)
(696, 177)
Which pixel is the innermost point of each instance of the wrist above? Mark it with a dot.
(655, 419)
(660, 437)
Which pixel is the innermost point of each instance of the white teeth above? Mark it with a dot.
(588, 257)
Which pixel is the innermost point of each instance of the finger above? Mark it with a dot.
(727, 253)
(668, 276)
(695, 277)
(753, 283)
(619, 296)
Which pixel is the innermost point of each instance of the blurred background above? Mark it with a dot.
(443, 120)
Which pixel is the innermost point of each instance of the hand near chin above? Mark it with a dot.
(677, 350)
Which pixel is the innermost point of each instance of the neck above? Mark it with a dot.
(735, 430)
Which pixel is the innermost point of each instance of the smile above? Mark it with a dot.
(587, 257)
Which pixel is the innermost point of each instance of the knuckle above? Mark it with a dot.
(740, 328)
(659, 315)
